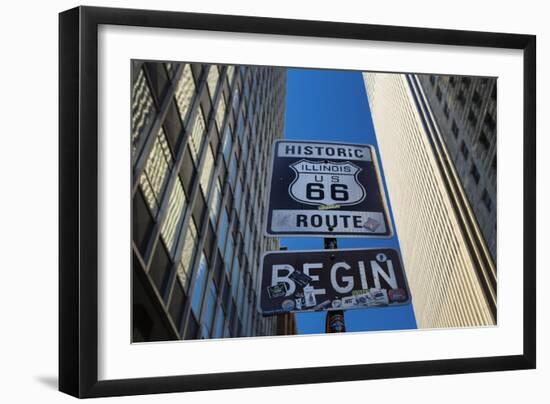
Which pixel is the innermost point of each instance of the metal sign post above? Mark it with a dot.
(335, 321)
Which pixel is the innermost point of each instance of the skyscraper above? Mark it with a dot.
(450, 269)
(465, 111)
(201, 143)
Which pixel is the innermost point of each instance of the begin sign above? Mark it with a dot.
(294, 281)
(328, 189)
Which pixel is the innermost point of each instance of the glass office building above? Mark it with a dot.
(201, 144)
(465, 109)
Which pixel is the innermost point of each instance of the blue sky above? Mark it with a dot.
(332, 105)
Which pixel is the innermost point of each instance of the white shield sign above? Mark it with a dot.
(326, 183)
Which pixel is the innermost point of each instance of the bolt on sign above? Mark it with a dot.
(326, 189)
(322, 280)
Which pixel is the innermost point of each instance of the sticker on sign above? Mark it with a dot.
(320, 188)
(331, 280)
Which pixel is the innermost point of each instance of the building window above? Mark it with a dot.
(446, 109)
(454, 129)
(474, 173)
(490, 121)
(224, 226)
(242, 292)
(238, 195)
(197, 136)
(232, 171)
(464, 150)
(218, 325)
(216, 201)
(220, 113)
(200, 282)
(176, 304)
(207, 171)
(185, 91)
(246, 88)
(461, 98)
(487, 200)
(245, 147)
(235, 100)
(472, 118)
(143, 110)
(432, 80)
(484, 141)
(210, 306)
(212, 80)
(187, 255)
(156, 170)
(466, 81)
(438, 93)
(452, 81)
(227, 144)
(476, 99)
(235, 277)
(171, 226)
(240, 126)
(159, 272)
(230, 73)
(170, 69)
(228, 256)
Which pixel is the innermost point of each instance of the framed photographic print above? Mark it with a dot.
(251, 201)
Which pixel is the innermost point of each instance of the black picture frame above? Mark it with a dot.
(78, 200)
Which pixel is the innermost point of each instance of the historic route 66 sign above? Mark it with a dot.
(322, 189)
(326, 183)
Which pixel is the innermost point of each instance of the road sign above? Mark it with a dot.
(326, 189)
(296, 281)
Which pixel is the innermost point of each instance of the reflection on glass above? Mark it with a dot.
(171, 224)
(189, 245)
(232, 171)
(143, 110)
(197, 136)
(230, 73)
(210, 305)
(185, 91)
(223, 230)
(156, 169)
(235, 100)
(220, 113)
(228, 256)
(218, 325)
(245, 148)
(227, 143)
(199, 286)
(238, 195)
(206, 173)
(216, 201)
(212, 80)
(240, 126)
(241, 294)
(235, 276)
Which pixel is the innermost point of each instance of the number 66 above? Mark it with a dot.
(316, 191)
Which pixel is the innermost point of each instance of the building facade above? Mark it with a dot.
(465, 111)
(449, 267)
(201, 145)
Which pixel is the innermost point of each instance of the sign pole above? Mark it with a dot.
(335, 318)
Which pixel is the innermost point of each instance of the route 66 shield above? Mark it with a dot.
(326, 183)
